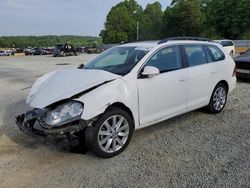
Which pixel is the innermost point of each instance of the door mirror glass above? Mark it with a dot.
(150, 71)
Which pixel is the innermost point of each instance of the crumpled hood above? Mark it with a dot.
(65, 83)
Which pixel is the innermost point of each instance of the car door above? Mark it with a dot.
(164, 95)
(202, 75)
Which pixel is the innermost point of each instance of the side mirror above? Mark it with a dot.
(150, 71)
(81, 66)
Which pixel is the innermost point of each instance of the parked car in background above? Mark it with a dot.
(228, 46)
(127, 88)
(39, 51)
(7, 52)
(10, 52)
(27, 51)
(49, 50)
(243, 65)
(64, 50)
(3, 53)
(93, 50)
(36, 51)
(20, 50)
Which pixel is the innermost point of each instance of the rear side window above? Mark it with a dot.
(195, 55)
(216, 53)
(166, 59)
(226, 43)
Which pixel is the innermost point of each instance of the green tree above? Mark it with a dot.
(246, 35)
(121, 21)
(151, 27)
(46, 41)
(230, 19)
(185, 18)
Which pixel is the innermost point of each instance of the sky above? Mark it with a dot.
(57, 17)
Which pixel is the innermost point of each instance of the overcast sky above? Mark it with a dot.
(57, 17)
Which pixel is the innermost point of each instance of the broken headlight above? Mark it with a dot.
(64, 113)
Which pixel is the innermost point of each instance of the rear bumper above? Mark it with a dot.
(232, 84)
(32, 127)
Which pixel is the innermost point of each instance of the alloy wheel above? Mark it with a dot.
(219, 98)
(113, 133)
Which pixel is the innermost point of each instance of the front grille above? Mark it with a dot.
(245, 66)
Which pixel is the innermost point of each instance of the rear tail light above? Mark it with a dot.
(235, 71)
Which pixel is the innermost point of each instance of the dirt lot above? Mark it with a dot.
(193, 150)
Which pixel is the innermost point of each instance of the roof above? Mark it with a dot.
(143, 44)
(151, 44)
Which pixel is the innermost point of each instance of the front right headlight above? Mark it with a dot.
(64, 113)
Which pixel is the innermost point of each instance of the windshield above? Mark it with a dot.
(59, 46)
(118, 60)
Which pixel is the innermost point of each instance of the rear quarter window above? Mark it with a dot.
(216, 53)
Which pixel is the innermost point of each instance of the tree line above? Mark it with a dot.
(202, 18)
(46, 41)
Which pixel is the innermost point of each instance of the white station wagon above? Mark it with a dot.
(126, 88)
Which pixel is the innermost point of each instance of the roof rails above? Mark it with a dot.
(185, 38)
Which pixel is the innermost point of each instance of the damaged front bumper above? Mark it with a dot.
(31, 124)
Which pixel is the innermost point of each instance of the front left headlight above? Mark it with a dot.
(64, 113)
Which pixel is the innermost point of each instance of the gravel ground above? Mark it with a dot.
(192, 150)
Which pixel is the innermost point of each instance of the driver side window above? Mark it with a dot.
(166, 59)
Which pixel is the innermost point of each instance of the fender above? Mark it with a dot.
(98, 100)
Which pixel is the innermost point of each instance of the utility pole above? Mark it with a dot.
(137, 26)
(137, 30)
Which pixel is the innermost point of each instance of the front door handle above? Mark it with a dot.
(213, 72)
(183, 79)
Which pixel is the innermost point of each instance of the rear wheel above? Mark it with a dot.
(112, 133)
(218, 99)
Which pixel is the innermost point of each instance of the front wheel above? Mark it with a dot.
(218, 99)
(112, 133)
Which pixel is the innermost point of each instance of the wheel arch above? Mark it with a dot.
(123, 107)
(224, 82)
(208, 107)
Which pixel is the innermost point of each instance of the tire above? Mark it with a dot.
(218, 99)
(88, 137)
(107, 140)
